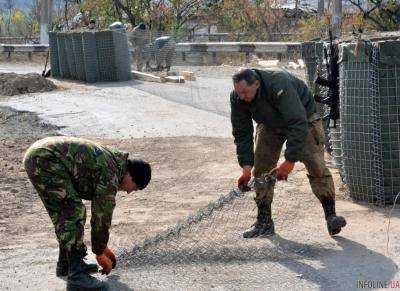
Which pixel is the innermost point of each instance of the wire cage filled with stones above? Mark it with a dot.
(316, 61)
(370, 127)
(312, 54)
(332, 127)
(90, 56)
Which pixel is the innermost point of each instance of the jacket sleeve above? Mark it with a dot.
(294, 113)
(242, 130)
(103, 204)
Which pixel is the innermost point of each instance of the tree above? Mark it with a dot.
(383, 14)
(33, 19)
(9, 6)
(18, 22)
(2, 24)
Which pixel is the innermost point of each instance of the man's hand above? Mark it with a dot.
(111, 256)
(105, 263)
(244, 179)
(283, 171)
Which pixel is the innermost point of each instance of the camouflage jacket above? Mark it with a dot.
(96, 173)
(282, 101)
(139, 38)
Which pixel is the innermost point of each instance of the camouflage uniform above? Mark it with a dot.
(284, 111)
(65, 170)
(164, 52)
(140, 40)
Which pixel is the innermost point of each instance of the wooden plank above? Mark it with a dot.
(146, 77)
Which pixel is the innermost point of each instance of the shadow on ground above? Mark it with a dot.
(330, 267)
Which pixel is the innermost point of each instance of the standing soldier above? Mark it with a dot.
(285, 111)
(164, 51)
(140, 40)
(65, 170)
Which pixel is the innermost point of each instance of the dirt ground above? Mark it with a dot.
(189, 172)
(14, 84)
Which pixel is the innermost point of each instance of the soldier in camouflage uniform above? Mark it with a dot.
(164, 52)
(140, 40)
(65, 170)
(285, 111)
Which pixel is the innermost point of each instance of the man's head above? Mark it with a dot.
(137, 176)
(246, 84)
(92, 23)
(142, 26)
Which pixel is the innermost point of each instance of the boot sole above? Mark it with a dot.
(336, 226)
(261, 234)
(266, 234)
(73, 287)
(62, 274)
(251, 236)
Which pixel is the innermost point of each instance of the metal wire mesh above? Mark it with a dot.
(105, 56)
(200, 244)
(92, 56)
(122, 58)
(54, 58)
(316, 64)
(360, 122)
(77, 45)
(312, 54)
(388, 76)
(333, 133)
(152, 52)
(62, 56)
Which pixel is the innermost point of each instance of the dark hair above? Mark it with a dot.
(246, 74)
(140, 172)
(142, 26)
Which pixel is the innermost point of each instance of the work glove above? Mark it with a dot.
(282, 172)
(244, 179)
(107, 261)
(111, 256)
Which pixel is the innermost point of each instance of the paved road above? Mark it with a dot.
(132, 109)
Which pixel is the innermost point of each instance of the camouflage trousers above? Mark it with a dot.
(268, 146)
(142, 58)
(53, 184)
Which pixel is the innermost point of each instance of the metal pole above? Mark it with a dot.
(45, 20)
(321, 7)
(337, 18)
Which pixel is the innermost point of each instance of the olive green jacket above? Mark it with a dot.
(282, 101)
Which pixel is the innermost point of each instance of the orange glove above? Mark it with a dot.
(105, 263)
(111, 256)
(244, 179)
(283, 171)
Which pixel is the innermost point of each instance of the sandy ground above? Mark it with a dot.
(191, 168)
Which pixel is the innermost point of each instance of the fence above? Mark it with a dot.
(370, 127)
(90, 56)
(19, 40)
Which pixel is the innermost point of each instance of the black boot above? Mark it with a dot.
(264, 226)
(62, 264)
(78, 279)
(334, 223)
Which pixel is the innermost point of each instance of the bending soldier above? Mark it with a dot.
(285, 111)
(65, 170)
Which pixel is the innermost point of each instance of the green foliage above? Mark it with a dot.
(246, 20)
(388, 15)
(312, 27)
(381, 15)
